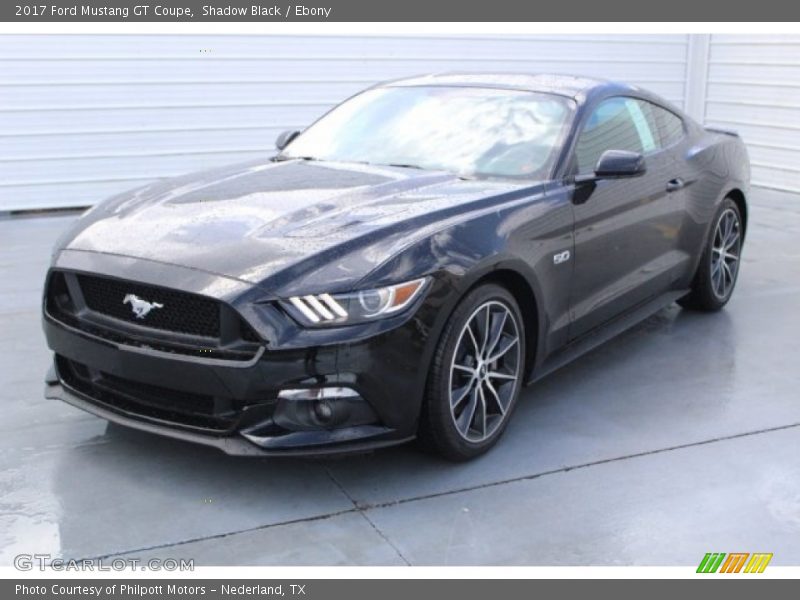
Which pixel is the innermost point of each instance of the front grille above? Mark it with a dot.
(181, 312)
(145, 400)
(186, 323)
(161, 346)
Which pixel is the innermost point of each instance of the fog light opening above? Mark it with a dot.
(323, 412)
(335, 407)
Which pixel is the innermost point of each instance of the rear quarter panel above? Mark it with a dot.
(715, 164)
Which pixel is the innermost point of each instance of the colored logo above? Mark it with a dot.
(735, 562)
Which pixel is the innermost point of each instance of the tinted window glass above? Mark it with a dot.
(616, 124)
(671, 126)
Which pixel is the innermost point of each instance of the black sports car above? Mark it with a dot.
(399, 269)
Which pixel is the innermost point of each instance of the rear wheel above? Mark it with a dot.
(476, 375)
(719, 266)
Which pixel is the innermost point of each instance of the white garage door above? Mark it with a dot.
(83, 117)
(754, 87)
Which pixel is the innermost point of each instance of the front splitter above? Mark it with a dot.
(233, 445)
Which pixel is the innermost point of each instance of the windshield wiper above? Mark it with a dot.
(462, 176)
(281, 158)
(406, 166)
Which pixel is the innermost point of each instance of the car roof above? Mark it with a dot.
(572, 86)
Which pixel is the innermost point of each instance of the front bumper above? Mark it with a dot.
(250, 425)
(366, 438)
(240, 405)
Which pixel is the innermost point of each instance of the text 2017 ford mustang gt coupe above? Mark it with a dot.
(401, 268)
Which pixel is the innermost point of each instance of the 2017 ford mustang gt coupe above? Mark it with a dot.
(399, 269)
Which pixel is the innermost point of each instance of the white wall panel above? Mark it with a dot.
(85, 116)
(754, 87)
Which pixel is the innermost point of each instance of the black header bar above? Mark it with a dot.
(49, 11)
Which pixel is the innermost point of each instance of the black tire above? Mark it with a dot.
(438, 429)
(705, 294)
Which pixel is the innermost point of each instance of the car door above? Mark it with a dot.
(626, 230)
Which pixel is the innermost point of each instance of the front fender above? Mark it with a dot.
(516, 241)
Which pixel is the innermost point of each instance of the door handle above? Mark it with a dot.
(673, 185)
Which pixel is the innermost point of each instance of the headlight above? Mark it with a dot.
(326, 310)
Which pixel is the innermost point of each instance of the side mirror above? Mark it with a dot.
(615, 164)
(285, 138)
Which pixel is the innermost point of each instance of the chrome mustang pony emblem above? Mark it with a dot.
(140, 307)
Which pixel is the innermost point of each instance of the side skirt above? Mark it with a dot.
(602, 334)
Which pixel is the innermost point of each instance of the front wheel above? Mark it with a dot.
(476, 375)
(719, 266)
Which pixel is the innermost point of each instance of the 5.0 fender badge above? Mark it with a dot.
(140, 307)
(561, 257)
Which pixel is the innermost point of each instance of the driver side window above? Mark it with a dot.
(616, 124)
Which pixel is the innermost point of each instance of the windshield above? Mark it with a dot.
(468, 131)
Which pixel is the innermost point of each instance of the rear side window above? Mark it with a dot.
(670, 126)
(617, 124)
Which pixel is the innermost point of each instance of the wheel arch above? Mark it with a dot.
(738, 197)
(523, 291)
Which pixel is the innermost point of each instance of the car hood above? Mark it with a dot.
(279, 223)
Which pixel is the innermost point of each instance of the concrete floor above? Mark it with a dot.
(678, 438)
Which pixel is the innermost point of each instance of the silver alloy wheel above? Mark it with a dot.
(485, 371)
(725, 253)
